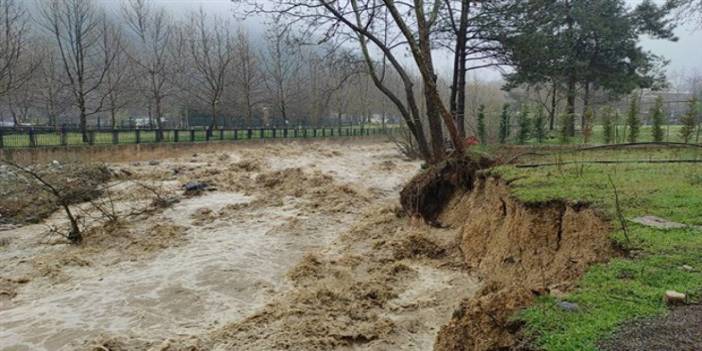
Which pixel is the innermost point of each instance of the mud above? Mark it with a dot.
(520, 251)
(678, 330)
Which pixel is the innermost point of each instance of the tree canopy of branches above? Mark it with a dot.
(384, 31)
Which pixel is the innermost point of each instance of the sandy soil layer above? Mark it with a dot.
(215, 261)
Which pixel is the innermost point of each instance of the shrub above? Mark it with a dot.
(608, 134)
(587, 125)
(657, 119)
(566, 120)
(524, 126)
(540, 125)
(504, 124)
(689, 121)
(482, 133)
(632, 120)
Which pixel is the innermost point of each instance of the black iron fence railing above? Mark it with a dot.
(33, 137)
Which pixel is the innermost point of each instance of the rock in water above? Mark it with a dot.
(194, 186)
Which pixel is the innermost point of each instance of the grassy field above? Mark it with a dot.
(625, 288)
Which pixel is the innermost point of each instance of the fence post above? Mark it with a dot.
(295, 133)
(32, 138)
(221, 134)
(115, 136)
(207, 134)
(274, 133)
(249, 133)
(91, 137)
(1, 139)
(137, 133)
(176, 135)
(285, 133)
(314, 132)
(236, 134)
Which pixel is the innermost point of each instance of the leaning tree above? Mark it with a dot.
(392, 36)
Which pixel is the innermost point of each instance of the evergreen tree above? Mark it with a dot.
(482, 133)
(524, 126)
(588, 117)
(608, 131)
(632, 120)
(504, 124)
(657, 119)
(582, 43)
(689, 121)
(540, 125)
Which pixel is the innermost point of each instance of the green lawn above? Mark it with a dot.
(622, 289)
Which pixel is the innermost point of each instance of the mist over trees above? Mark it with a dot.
(74, 63)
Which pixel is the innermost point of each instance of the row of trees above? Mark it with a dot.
(72, 61)
(529, 124)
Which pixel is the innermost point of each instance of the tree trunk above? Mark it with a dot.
(213, 123)
(554, 103)
(570, 104)
(458, 88)
(586, 104)
(83, 120)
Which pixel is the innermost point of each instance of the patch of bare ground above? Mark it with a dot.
(680, 329)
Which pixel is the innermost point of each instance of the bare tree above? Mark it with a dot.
(77, 27)
(211, 48)
(282, 63)
(119, 74)
(248, 78)
(153, 28)
(51, 93)
(16, 65)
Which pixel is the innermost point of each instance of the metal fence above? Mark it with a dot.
(16, 138)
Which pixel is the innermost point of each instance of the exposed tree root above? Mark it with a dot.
(427, 193)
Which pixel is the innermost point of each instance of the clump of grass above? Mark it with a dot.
(625, 288)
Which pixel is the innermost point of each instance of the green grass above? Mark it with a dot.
(622, 289)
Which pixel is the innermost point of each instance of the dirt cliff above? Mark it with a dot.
(520, 251)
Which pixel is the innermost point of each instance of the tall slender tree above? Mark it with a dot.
(658, 120)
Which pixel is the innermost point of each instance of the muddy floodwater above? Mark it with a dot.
(275, 220)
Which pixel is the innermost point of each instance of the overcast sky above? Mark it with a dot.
(685, 55)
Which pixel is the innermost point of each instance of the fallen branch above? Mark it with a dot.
(605, 162)
(74, 235)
